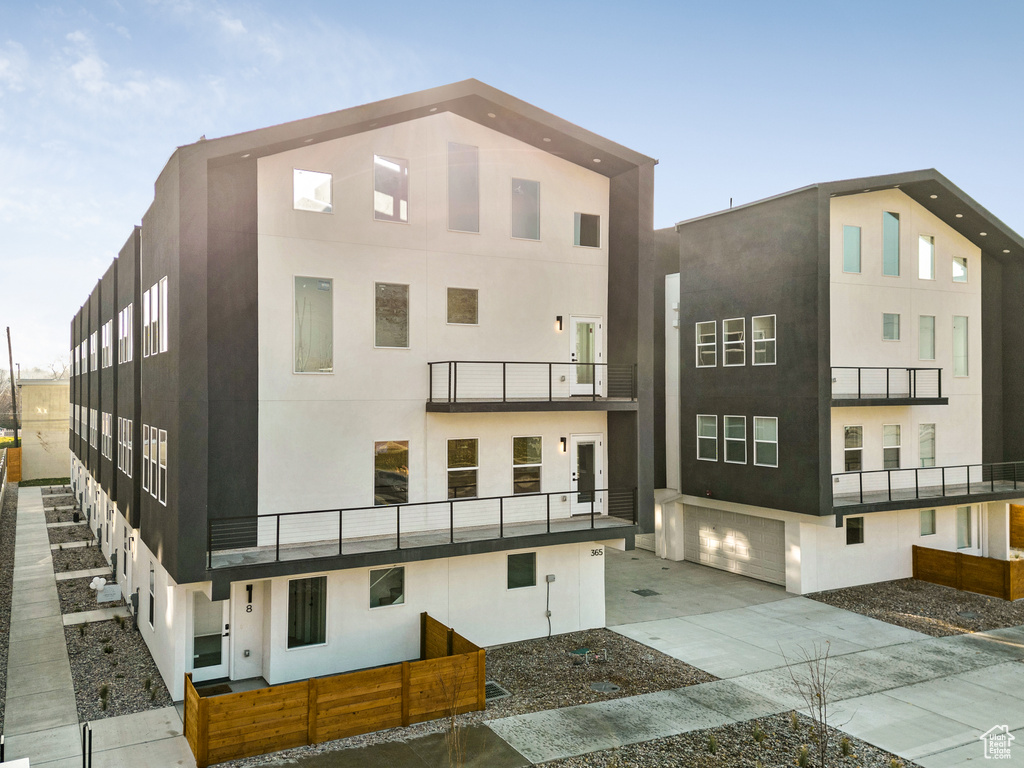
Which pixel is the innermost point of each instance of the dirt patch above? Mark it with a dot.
(62, 516)
(8, 527)
(59, 500)
(75, 596)
(68, 533)
(78, 559)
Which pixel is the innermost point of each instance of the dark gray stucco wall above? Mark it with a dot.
(107, 379)
(129, 402)
(666, 262)
(991, 359)
(1013, 361)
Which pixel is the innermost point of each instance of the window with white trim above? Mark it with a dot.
(925, 257)
(463, 187)
(521, 570)
(854, 530)
(462, 468)
(527, 459)
(927, 522)
(890, 244)
(964, 527)
(851, 249)
(960, 360)
(152, 593)
(959, 269)
(93, 427)
(145, 457)
(387, 586)
(390, 472)
(853, 448)
(106, 429)
(107, 354)
(926, 337)
(890, 326)
(162, 464)
(766, 441)
(707, 437)
(93, 351)
(125, 335)
(390, 189)
(526, 209)
(154, 319)
(307, 611)
(734, 429)
(313, 323)
(762, 329)
(707, 344)
(391, 315)
(311, 191)
(926, 438)
(145, 324)
(734, 345)
(891, 446)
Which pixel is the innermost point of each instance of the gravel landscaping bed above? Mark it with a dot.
(928, 608)
(124, 671)
(63, 516)
(68, 533)
(75, 596)
(60, 500)
(78, 559)
(8, 525)
(734, 747)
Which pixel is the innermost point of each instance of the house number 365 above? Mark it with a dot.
(596, 552)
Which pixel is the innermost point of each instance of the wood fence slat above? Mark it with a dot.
(203, 733)
(405, 692)
(311, 711)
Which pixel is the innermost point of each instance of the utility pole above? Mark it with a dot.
(14, 398)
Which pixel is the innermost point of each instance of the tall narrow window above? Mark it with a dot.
(926, 434)
(93, 351)
(926, 338)
(960, 362)
(463, 188)
(959, 269)
(390, 189)
(891, 244)
(927, 517)
(162, 448)
(734, 345)
(926, 257)
(391, 315)
(890, 327)
(312, 191)
(307, 612)
(154, 469)
(766, 441)
(314, 325)
(707, 437)
(152, 593)
(145, 457)
(735, 431)
(851, 249)
(763, 329)
(462, 467)
(155, 314)
(854, 530)
(587, 230)
(128, 452)
(526, 209)
(891, 446)
(526, 464)
(463, 306)
(164, 306)
(145, 324)
(853, 449)
(391, 472)
(707, 344)
(964, 528)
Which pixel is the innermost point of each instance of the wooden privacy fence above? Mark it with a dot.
(984, 575)
(14, 465)
(1016, 526)
(449, 675)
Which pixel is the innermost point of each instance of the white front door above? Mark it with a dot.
(585, 349)
(209, 638)
(585, 459)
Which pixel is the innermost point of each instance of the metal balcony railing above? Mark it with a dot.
(926, 483)
(886, 383)
(252, 540)
(455, 381)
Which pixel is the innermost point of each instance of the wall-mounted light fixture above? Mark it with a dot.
(558, 322)
(562, 441)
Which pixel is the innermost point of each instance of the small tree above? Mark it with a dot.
(455, 735)
(813, 681)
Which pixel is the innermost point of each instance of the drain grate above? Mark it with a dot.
(493, 691)
(604, 687)
(645, 592)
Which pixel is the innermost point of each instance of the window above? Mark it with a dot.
(526, 209)
(154, 319)
(162, 446)
(926, 257)
(763, 329)
(851, 249)
(94, 427)
(766, 441)
(522, 570)
(107, 331)
(854, 530)
(926, 338)
(462, 466)
(463, 306)
(145, 457)
(314, 325)
(391, 472)
(390, 189)
(735, 432)
(312, 191)
(387, 586)
(307, 612)
(391, 313)
(707, 438)
(927, 522)
(93, 351)
(926, 438)
(145, 324)
(960, 367)
(890, 327)
(853, 449)
(125, 335)
(463, 188)
(163, 315)
(891, 244)
(526, 464)
(707, 344)
(152, 593)
(964, 526)
(734, 349)
(107, 441)
(154, 455)
(959, 269)
(588, 230)
(891, 446)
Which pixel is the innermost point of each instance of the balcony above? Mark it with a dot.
(479, 386)
(926, 486)
(364, 535)
(887, 386)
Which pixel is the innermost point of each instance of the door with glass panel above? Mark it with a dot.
(209, 638)
(585, 458)
(586, 377)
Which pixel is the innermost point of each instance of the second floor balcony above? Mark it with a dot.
(480, 386)
(873, 386)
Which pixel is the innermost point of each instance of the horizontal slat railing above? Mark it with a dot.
(383, 528)
(452, 381)
(886, 383)
(925, 483)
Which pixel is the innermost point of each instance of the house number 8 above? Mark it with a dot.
(596, 552)
(248, 609)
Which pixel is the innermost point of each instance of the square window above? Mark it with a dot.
(735, 430)
(707, 344)
(763, 330)
(391, 472)
(890, 327)
(854, 530)
(391, 315)
(891, 244)
(307, 612)
(387, 586)
(707, 438)
(927, 522)
(526, 464)
(588, 230)
(463, 188)
(926, 257)
(463, 306)
(462, 468)
(964, 527)
(959, 269)
(312, 191)
(851, 249)
(734, 349)
(314, 325)
(522, 570)
(766, 441)
(390, 189)
(526, 209)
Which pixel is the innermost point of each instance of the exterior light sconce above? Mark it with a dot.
(558, 325)
(562, 440)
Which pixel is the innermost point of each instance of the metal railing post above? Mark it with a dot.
(341, 530)
(593, 498)
(209, 563)
(859, 396)
(944, 482)
(451, 521)
(888, 481)
(860, 483)
(549, 512)
(430, 376)
(398, 527)
(593, 382)
(455, 381)
(551, 383)
(504, 397)
(887, 384)
(940, 382)
(917, 485)
(501, 517)
(277, 540)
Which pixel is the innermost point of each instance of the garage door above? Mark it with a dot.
(750, 546)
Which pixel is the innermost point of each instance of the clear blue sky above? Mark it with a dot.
(741, 99)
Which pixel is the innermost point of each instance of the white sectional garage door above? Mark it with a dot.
(749, 546)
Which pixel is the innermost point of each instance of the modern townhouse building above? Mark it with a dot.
(387, 360)
(843, 375)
